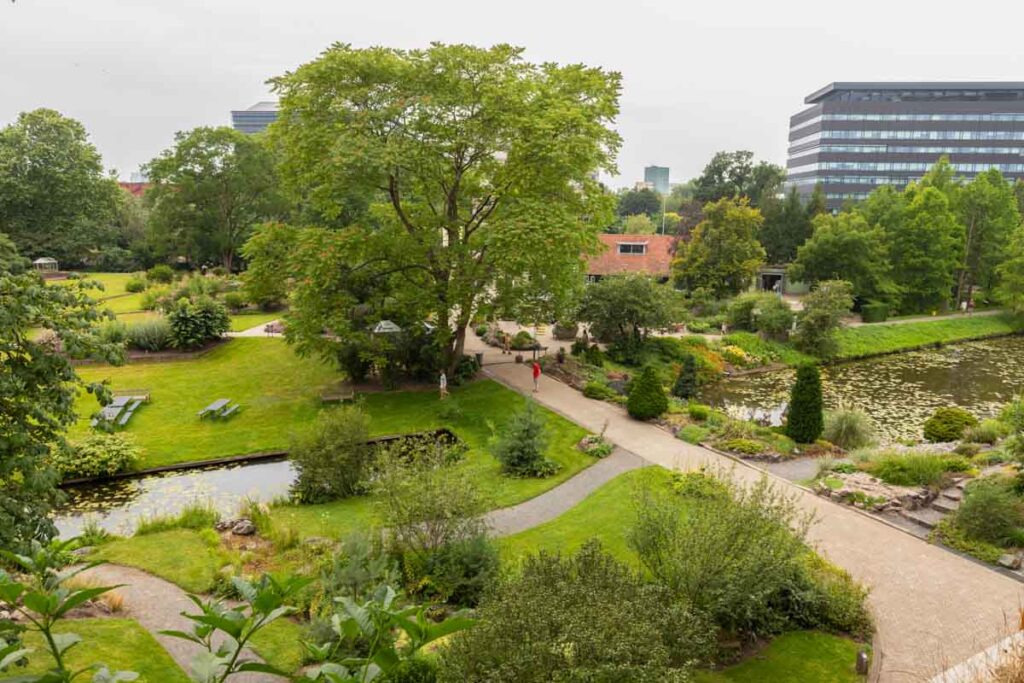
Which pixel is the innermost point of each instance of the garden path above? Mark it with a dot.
(926, 318)
(157, 605)
(255, 331)
(933, 609)
(562, 498)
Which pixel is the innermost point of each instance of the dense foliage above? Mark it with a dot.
(723, 254)
(731, 175)
(194, 323)
(686, 386)
(333, 459)
(620, 628)
(647, 398)
(804, 419)
(97, 455)
(521, 444)
(846, 247)
(821, 317)
(624, 309)
(948, 424)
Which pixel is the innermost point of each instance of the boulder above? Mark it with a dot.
(1010, 561)
(243, 527)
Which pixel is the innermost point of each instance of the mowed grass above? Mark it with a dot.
(243, 321)
(796, 657)
(277, 390)
(181, 556)
(121, 644)
(479, 406)
(113, 283)
(879, 338)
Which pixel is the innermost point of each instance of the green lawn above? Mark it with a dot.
(278, 391)
(797, 657)
(243, 321)
(181, 556)
(279, 645)
(113, 283)
(878, 338)
(121, 644)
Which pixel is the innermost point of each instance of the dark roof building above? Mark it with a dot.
(855, 137)
(650, 254)
(256, 118)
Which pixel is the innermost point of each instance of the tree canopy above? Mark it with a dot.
(55, 199)
(734, 174)
(209, 190)
(846, 247)
(723, 254)
(477, 168)
(643, 201)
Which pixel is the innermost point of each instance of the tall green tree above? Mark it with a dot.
(623, 309)
(209, 190)
(734, 174)
(479, 166)
(987, 209)
(636, 202)
(846, 247)
(805, 419)
(926, 250)
(38, 386)
(1010, 291)
(269, 252)
(723, 254)
(787, 225)
(55, 199)
(641, 224)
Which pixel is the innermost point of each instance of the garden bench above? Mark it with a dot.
(229, 411)
(339, 394)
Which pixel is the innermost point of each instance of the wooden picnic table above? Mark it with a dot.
(214, 407)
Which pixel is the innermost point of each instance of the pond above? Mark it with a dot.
(899, 391)
(117, 505)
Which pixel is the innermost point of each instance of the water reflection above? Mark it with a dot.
(900, 391)
(117, 505)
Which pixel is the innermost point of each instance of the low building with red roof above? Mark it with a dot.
(650, 254)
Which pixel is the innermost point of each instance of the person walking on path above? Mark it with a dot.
(444, 386)
(506, 343)
(536, 376)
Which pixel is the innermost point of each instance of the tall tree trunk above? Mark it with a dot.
(962, 279)
(458, 348)
(228, 259)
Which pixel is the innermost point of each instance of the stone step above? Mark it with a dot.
(945, 505)
(925, 517)
(953, 494)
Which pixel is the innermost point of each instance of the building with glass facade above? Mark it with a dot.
(657, 177)
(855, 137)
(256, 118)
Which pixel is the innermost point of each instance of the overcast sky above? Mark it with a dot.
(697, 76)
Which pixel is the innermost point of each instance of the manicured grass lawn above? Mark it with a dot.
(278, 391)
(866, 340)
(243, 321)
(606, 514)
(479, 405)
(121, 644)
(797, 657)
(279, 645)
(181, 556)
(113, 283)
(138, 316)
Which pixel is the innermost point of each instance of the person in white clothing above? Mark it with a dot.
(444, 386)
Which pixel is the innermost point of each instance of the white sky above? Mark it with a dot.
(698, 77)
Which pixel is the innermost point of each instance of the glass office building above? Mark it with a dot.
(855, 137)
(657, 177)
(255, 119)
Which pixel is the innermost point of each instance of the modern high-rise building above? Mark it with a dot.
(657, 176)
(256, 118)
(855, 137)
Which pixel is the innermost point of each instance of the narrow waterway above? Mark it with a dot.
(899, 391)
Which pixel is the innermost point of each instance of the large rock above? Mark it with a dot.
(243, 527)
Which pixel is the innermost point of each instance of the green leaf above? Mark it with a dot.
(65, 641)
(80, 597)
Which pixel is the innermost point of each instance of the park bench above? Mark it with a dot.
(227, 412)
(339, 393)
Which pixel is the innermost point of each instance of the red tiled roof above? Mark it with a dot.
(656, 260)
(137, 189)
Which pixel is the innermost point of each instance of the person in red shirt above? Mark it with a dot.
(536, 375)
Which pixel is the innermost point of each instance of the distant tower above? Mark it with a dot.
(657, 177)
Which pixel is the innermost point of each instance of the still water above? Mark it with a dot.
(117, 505)
(899, 391)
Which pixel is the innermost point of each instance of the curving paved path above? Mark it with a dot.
(933, 609)
(157, 605)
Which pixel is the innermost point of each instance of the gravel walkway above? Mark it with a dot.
(157, 605)
(563, 497)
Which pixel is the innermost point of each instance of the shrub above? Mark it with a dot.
(523, 341)
(459, 573)
(874, 312)
(597, 447)
(740, 312)
(581, 618)
(804, 423)
(698, 326)
(823, 311)
(948, 424)
(594, 356)
(113, 332)
(990, 511)
(685, 386)
(416, 669)
(760, 312)
(195, 323)
(97, 455)
(911, 469)
(150, 335)
(565, 331)
(520, 448)
(598, 390)
(744, 446)
(698, 411)
(693, 433)
(775, 319)
(578, 348)
(481, 331)
(987, 431)
(333, 460)
(154, 298)
(235, 301)
(647, 398)
(219, 271)
(967, 449)
(849, 428)
(195, 516)
(161, 273)
(135, 285)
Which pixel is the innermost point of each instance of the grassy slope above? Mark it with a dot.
(866, 340)
(121, 644)
(798, 657)
(278, 391)
(181, 556)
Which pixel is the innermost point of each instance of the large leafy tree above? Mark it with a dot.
(1010, 290)
(734, 174)
(37, 389)
(987, 209)
(926, 249)
(479, 166)
(55, 199)
(623, 309)
(643, 201)
(209, 190)
(723, 254)
(787, 225)
(846, 247)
